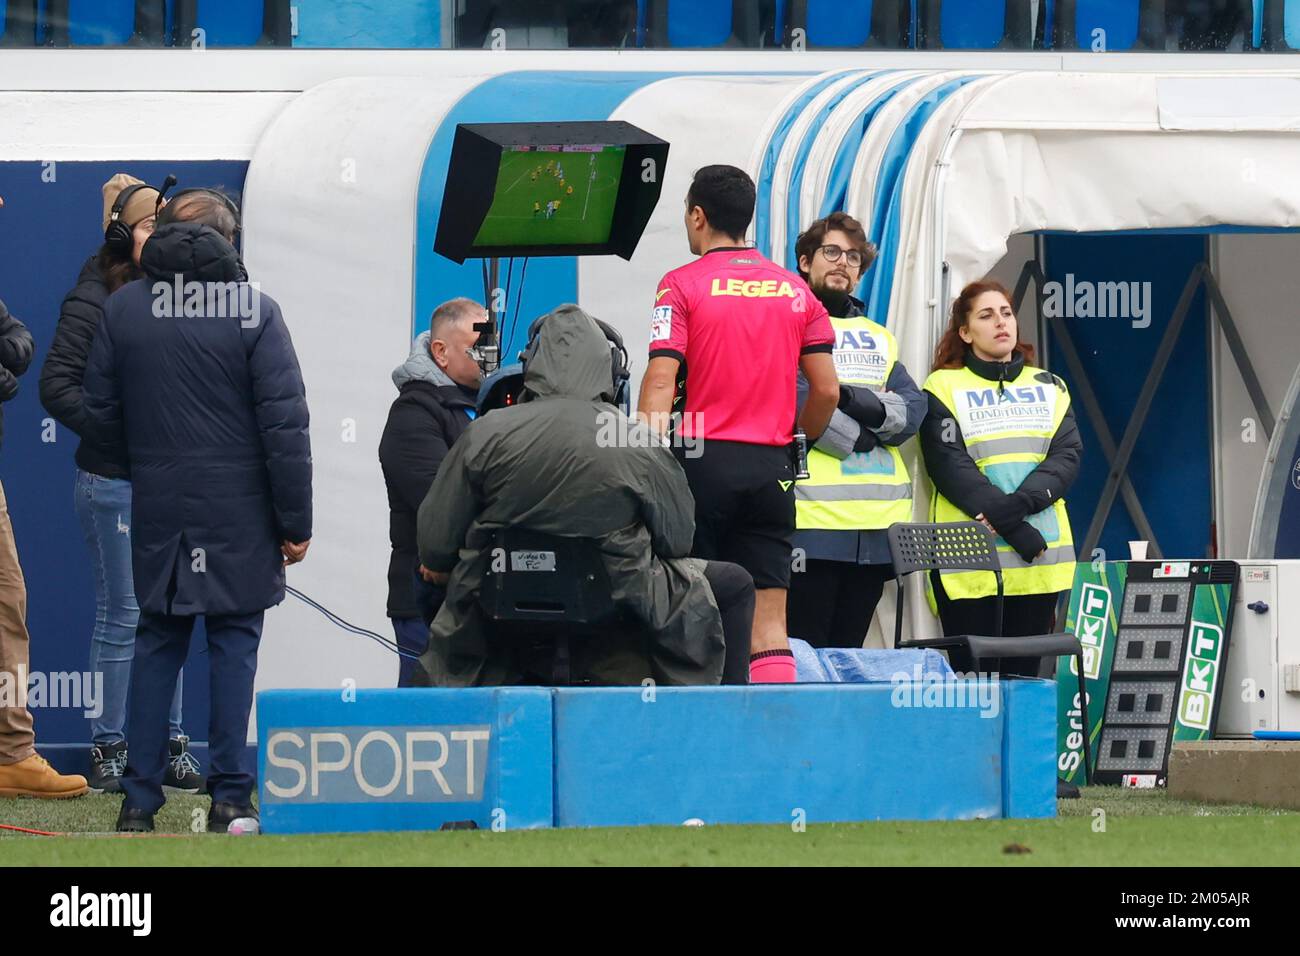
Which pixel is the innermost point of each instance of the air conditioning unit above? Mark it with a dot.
(1261, 690)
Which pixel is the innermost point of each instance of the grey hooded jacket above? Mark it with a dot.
(425, 419)
(567, 462)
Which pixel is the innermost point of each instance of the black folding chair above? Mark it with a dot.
(969, 546)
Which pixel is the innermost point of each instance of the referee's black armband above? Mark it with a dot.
(828, 347)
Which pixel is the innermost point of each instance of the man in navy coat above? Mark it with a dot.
(194, 370)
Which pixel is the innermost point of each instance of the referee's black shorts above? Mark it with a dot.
(744, 507)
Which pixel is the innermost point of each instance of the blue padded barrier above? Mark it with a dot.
(512, 758)
(737, 755)
(1291, 24)
(1028, 788)
(404, 759)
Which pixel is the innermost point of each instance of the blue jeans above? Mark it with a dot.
(103, 507)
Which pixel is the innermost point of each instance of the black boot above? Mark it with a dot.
(222, 814)
(131, 820)
(182, 769)
(107, 762)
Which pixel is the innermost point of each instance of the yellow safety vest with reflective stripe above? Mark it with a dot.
(866, 491)
(1008, 428)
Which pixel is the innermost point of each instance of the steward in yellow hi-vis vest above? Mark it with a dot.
(858, 484)
(863, 490)
(1001, 446)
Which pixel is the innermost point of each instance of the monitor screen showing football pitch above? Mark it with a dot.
(553, 196)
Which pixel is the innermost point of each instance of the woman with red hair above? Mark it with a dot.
(1001, 446)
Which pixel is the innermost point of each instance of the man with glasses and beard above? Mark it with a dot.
(859, 484)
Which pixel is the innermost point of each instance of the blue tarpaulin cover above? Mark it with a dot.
(858, 665)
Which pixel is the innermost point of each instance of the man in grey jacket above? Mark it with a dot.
(565, 461)
(437, 388)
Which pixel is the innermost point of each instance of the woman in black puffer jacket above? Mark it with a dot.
(103, 487)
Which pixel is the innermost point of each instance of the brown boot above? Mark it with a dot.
(34, 777)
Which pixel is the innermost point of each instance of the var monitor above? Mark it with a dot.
(549, 189)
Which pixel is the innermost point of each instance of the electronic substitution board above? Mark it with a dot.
(1155, 644)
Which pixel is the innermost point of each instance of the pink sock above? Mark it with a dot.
(772, 667)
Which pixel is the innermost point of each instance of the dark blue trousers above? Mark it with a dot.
(413, 638)
(161, 644)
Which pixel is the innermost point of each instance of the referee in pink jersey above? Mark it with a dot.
(730, 332)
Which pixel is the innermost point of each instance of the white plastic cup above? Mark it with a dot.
(1137, 550)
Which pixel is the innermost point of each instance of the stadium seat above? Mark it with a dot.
(603, 24)
(1204, 25)
(20, 23)
(976, 24)
(233, 23)
(144, 22)
(473, 24)
(110, 22)
(1101, 24)
(710, 23)
(1212, 25)
(1281, 27)
(354, 25)
(548, 24)
(104, 22)
(851, 23)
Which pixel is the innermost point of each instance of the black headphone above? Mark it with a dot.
(619, 374)
(119, 236)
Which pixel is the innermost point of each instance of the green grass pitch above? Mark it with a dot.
(525, 184)
(1107, 827)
